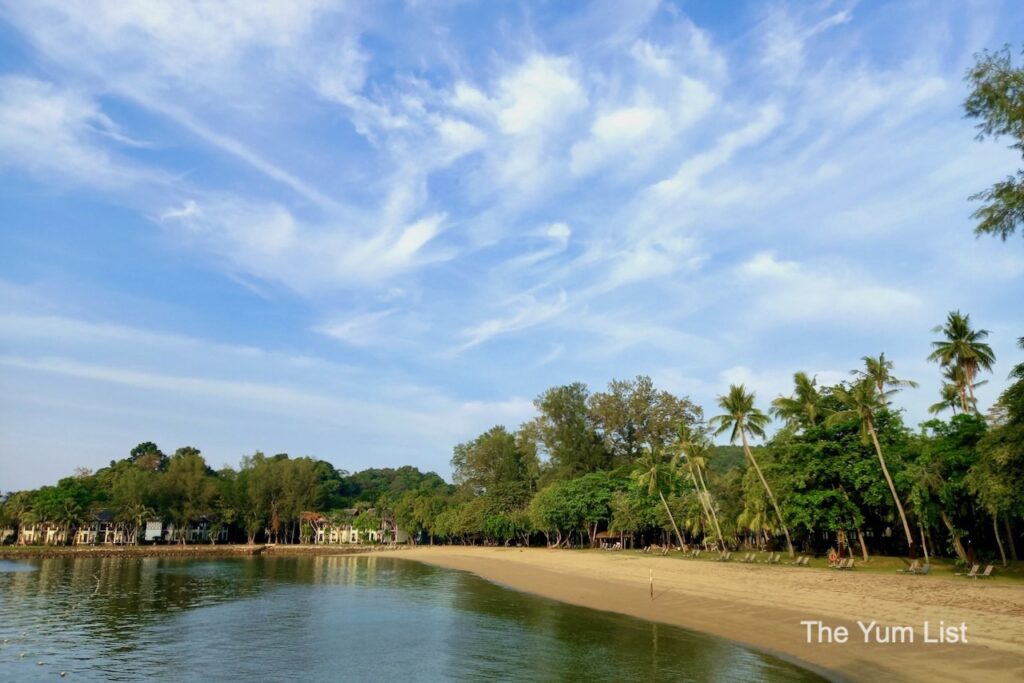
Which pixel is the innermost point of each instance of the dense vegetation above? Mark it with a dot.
(997, 101)
(638, 464)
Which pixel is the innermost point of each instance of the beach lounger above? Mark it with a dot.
(914, 567)
(923, 570)
(776, 560)
(806, 562)
(665, 550)
(768, 560)
(987, 573)
(849, 564)
(973, 573)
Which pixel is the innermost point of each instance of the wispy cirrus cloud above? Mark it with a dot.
(585, 191)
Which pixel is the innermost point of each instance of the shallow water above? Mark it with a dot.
(326, 619)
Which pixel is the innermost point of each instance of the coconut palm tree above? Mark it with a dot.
(696, 448)
(950, 399)
(879, 372)
(803, 407)
(742, 418)
(862, 403)
(654, 473)
(964, 349)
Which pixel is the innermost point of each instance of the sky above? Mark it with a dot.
(368, 231)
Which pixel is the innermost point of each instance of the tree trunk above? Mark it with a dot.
(771, 496)
(924, 545)
(679, 536)
(1009, 537)
(860, 530)
(863, 544)
(963, 398)
(999, 541)
(957, 545)
(697, 490)
(892, 488)
(711, 507)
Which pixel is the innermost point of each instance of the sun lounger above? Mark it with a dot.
(914, 567)
(849, 564)
(923, 570)
(985, 574)
(665, 550)
(806, 561)
(776, 560)
(973, 573)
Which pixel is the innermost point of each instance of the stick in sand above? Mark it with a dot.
(652, 584)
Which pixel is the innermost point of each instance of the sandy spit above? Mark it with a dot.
(762, 607)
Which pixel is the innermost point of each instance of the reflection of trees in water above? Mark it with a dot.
(542, 639)
(466, 627)
(112, 597)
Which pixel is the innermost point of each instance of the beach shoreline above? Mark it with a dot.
(753, 605)
(224, 550)
(761, 607)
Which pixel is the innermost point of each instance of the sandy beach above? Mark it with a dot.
(762, 607)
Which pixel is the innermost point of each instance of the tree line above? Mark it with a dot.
(639, 464)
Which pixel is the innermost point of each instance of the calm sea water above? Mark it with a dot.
(328, 619)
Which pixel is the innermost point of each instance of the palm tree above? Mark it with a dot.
(862, 402)
(954, 376)
(741, 418)
(803, 407)
(950, 399)
(696, 450)
(653, 472)
(963, 349)
(879, 372)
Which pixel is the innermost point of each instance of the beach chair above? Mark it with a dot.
(696, 553)
(923, 570)
(806, 562)
(726, 556)
(777, 560)
(987, 573)
(665, 550)
(797, 561)
(768, 560)
(914, 567)
(973, 573)
(849, 564)
(749, 557)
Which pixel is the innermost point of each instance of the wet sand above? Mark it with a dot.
(762, 606)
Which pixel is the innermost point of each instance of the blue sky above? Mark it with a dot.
(368, 231)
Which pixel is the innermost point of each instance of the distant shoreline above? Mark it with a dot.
(185, 551)
(761, 607)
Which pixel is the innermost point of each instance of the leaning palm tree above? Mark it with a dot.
(879, 372)
(803, 407)
(963, 349)
(862, 403)
(742, 418)
(696, 448)
(654, 473)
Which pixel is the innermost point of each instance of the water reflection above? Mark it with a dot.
(325, 618)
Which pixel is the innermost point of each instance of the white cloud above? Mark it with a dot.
(63, 133)
(627, 130)
(539, 95)
(529, 312)
(787, 291)
(269, 242)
